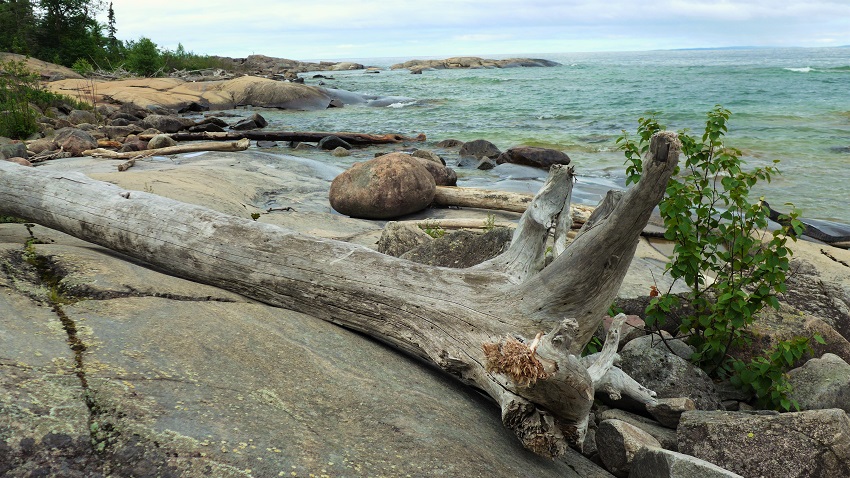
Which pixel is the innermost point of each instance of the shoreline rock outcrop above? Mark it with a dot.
(472, 62)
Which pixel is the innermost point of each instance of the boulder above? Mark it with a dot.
(461, 249)
(166, 124)
(650, 363)
(41, 145)
(383, 188)
(618, 443)
(400, 237)
(74, 140)
(661, 463)
(13, 150)
(809, 444)
(429, 155)
(115, 132)
(820, 285)
(329, 143)
(254, 122)
(450, 143)
(206, 128)
(161, 141)
(821, 383)
(485, 164)
(532, 156)
(479, 149)
(443, 176)
(665, 436)
(340, 152)
(668, 411)
(78, 117)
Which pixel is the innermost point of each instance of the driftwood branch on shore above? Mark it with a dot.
(240, 145)
(512, 326)
(303, 136)
(448, 196)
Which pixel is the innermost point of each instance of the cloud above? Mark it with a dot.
(335, 28)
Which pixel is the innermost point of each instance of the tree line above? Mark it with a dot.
(66, 32)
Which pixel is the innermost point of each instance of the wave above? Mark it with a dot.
(807, 69)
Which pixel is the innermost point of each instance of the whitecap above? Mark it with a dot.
(807, 69)
(401, 104)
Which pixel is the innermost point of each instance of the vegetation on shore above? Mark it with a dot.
(66, 32)
(724, 253)
(20, 95)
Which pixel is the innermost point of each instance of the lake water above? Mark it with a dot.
(791, 105)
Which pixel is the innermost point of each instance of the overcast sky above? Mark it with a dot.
(346, 29)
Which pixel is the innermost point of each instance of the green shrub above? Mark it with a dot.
(722, 250)
(82, 66)
(143, 57)
(765, 376)
(20, 90)
(17, 84)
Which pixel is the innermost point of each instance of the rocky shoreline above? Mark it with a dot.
(110, 368)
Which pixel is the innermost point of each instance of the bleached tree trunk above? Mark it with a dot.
(455, 318)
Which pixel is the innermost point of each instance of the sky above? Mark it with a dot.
(347, 29)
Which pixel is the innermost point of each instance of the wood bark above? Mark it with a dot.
(304, 136)
(446, 316)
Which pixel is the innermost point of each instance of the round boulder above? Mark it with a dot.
(532, 156)
(382, 188)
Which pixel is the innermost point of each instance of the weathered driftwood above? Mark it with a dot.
(240, 145)
(305, 136)
(451, 196)
(455, 318)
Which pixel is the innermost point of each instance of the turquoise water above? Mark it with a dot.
(791, 105)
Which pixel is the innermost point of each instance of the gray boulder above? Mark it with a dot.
(443, 176)
(461, 249)
(400, 237)
(74, 140)
(618, 443)
(449, 143)
(821, 383)
(332, 142)
(670, 376)
(382, 188)
(661, 463)
(161, 141)
(532, 156)
(166, 124)
(668, 411)
(809, 444)
(13, 150)
(479, 149)
(665, 436)
(78, 117)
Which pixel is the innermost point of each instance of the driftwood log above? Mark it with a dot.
(305, 136)
(447, 196)
(509, 326)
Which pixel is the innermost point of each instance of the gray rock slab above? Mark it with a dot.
(809, 444)
(661, 463)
